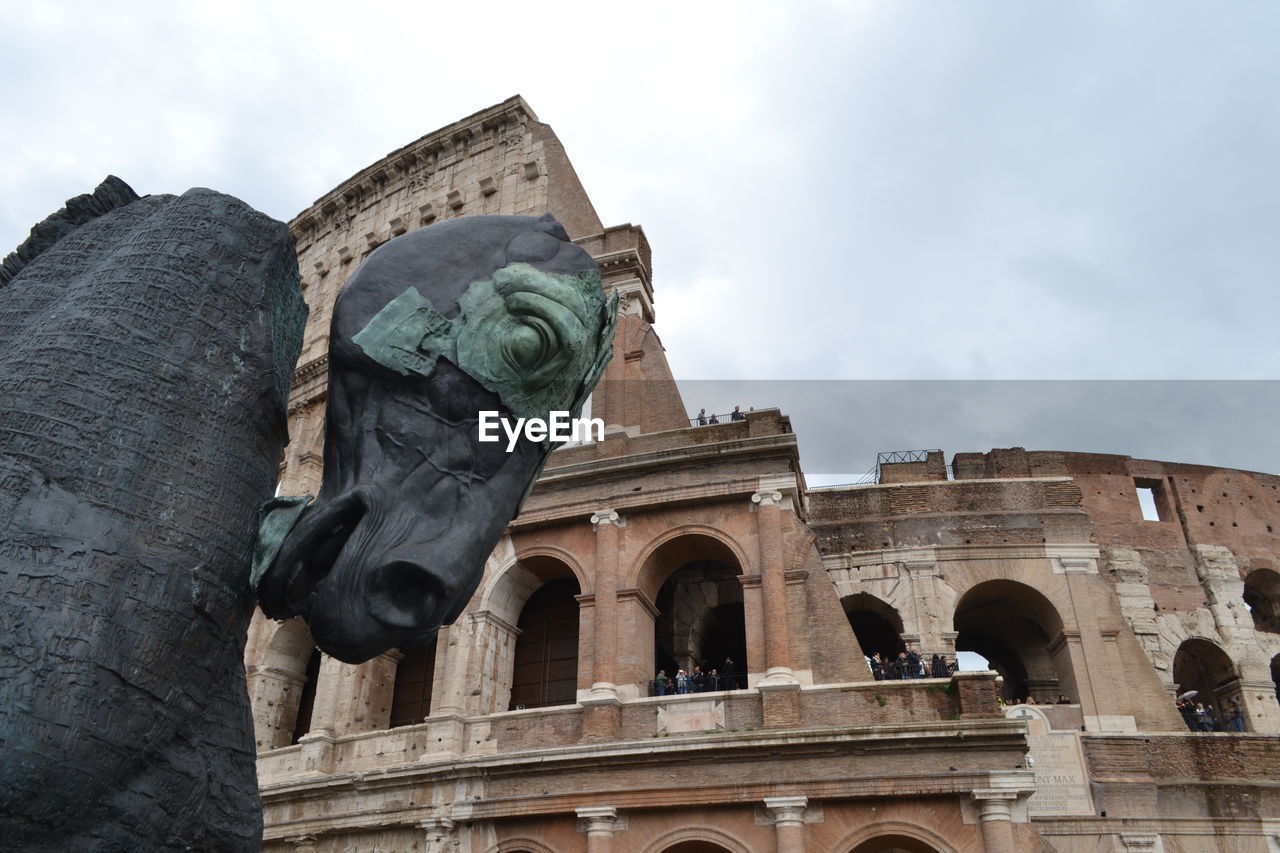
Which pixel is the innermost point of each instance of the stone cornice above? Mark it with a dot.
(653, 462)
(875, 743)
(947, 553)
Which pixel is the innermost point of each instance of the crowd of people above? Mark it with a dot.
(724, 677)
(909, 665)
(1063, 699)
(1202, 718)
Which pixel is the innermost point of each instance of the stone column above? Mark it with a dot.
(604, 660)
(439, 835)
(362, 698)
(773, 583)
(995, 811)
(788, 822)
(753, 617)
(601, 823)
(273, 695)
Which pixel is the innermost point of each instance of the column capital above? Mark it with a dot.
(995, 803)
(436, 826)
(303, 843)
(787, 811)
(769, 497)
(598, 818)
(605, 516)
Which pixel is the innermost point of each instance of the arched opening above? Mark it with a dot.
(1275, 674)
(701, 625)
(1013, 626)
(546, 654)
(1201, 666)
(415, 678)
(1262, 597)
(893, 844)
(875, 623)
(696, 847)
(307, 698)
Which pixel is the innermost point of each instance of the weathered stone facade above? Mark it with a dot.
(668, 545)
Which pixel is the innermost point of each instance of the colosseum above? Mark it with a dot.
(1130, 704)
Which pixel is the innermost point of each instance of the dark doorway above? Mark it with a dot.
(546, 657)
(307, 699)
(415, 678)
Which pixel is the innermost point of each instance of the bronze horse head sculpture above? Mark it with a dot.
(479, 314)
(146, 354)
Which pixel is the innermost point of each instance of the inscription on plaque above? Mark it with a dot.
(1062, 786)
(694, 716)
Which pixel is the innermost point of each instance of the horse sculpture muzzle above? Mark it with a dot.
(485, 313)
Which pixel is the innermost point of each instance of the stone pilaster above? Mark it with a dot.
(604, 660)
(273, 694)
(362, 695)
(439, 835)
(773, 584)
(788, 822)
(995, 812)
(601, 822)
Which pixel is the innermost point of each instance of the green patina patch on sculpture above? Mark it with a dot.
(276, 518)
(528, 336)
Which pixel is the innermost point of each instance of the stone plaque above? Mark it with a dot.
(1062, 785)
(695, 716)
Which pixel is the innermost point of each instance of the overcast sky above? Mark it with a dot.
(854, 191)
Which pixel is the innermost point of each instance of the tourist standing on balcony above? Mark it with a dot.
(682, 681)
(702, 417)
(737, 415)
(1235, 717)
(729, 674)
(877, 668)
(662, 682)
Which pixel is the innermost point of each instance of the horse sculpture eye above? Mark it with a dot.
(530, 343)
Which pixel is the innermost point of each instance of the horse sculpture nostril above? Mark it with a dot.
(404, 595)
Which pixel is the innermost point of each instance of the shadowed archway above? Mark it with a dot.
(1202, 666)
(1019, 632)
(1262, 596)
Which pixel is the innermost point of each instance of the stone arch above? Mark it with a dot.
(893, 835)
(1020, 633)
(1262, 597)
(281, 684)
(876, 623)
(490, 629)
(520, 845)
(693, 579)
(514, 582)
(649, 574)
(1202, 665)
(710, 840)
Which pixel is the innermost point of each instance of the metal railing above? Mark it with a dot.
(709, 683)
(917, 665)
(709, 420)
